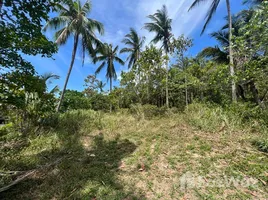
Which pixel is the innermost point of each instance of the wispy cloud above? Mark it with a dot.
(183, 22)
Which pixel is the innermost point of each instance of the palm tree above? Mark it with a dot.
(135, 44)
(210, 13)
(107, 55)
(161, 26)
(101, 85)
(72, 21)
(47, 79)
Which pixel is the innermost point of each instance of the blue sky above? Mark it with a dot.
(118, 16)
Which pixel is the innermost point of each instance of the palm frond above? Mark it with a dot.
(95, 25)
(57, 22)
(196, 3)
(222, 37)
(215, 53)
(100, 67)
(126, 50)
(119, 60)
(115, 49)
(153, 27)
(253, 2)
(48, 76)
(86, 7)
(99, 58)
(210, 13)
(54, 90)
(62, 35)
(132, 61)
(128, 41)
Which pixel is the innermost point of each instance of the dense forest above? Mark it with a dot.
(170, 114)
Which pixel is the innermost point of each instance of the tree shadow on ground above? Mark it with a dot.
(77, 172)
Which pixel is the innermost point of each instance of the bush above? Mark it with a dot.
(150, 111)
(5, 129)
(137, 111)
(250, 115)
(206, 117)
(146, 111)
(75, 121)
(211, 117)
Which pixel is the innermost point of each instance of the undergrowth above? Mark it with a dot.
(139, 153)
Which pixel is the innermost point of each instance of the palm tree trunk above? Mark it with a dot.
(231, 57)
(69, 71)
(111, 87)
(167, 99)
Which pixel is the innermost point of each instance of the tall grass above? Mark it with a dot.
(75, 121)
(214, 118)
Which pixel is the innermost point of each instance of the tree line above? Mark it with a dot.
(234, 70)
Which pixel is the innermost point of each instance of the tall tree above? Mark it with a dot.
(135, 44)
(210, 13)
(161, 26)
(107, 55)
(73, 21)
(21, 33)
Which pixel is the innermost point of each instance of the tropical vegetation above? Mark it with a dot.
(159, 114)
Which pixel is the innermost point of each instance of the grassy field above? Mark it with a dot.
(115, 156)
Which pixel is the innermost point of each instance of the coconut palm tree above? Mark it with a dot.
(107, 55)
(210, 13)
(161, 26)
(47, 79)
(100, 86)
(72, 21)
(135, 44)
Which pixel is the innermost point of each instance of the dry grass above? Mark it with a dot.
(129, 159)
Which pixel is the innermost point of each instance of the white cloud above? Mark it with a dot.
(120, 16)
(184, 22)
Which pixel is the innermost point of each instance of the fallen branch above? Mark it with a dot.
(26, 174)
(17, 181)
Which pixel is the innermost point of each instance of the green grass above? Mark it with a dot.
(115, 156)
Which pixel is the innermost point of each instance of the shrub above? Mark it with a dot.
(150, 111)
(137, 111)
(250, 115)
(74, 121)
(146, 111)
(5, 129)
(206, 117)
(211, 117)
